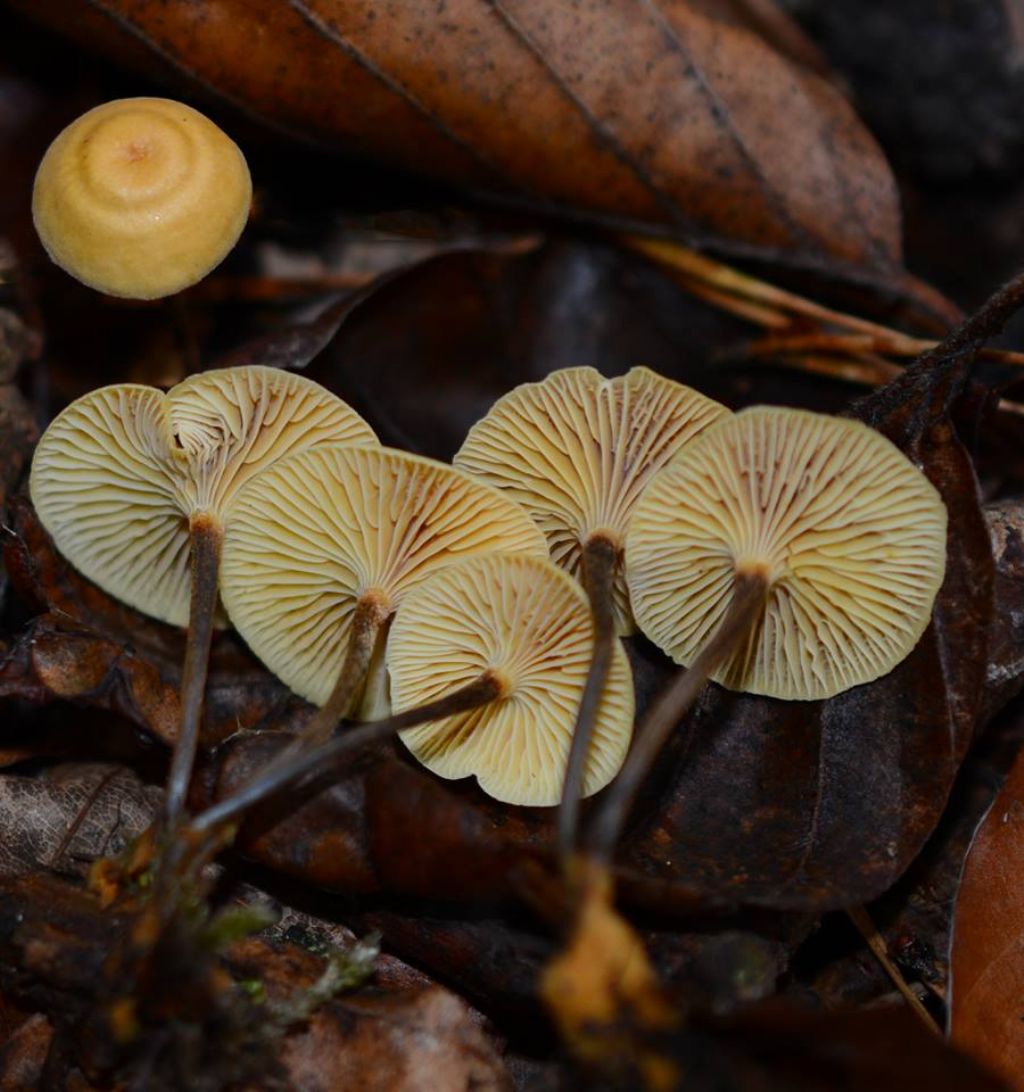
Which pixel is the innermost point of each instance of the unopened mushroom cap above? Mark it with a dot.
(576, 451)
(316, 532)
(141, 197)
(850, 534)
(530, 623)
(118, 474)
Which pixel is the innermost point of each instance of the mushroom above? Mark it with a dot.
(135, 486)
(141, 197)
(489, 654)
(526, 624)
(786, 553)
(323, 547)
(576, 451)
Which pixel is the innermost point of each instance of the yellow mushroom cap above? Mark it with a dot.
(529, 623)
(315, 533)
(141, 197)
(850, 534)
(576, 451)
(119, 473)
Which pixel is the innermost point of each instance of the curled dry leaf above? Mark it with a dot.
(987, 952)
(660, 113)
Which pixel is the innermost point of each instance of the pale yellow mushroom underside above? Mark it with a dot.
(530, 622)
(850, 533)
(315, 532)
(576, 451)
(118, 473)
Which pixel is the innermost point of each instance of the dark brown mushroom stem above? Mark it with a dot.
(206, 539)
(368, 620)
(748, 600)
(600, 563)
(292, 766)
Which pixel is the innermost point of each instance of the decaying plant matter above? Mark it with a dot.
(596, 723)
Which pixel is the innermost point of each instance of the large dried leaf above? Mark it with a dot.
(987, 955)
(658, 111)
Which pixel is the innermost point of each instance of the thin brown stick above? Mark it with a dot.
(689, 263)
(774, 308)
(367, 621)
(600, 562)
(672, 704)
(866, 927)
(855, 344)
(206, 536)
(869, 372)
(293, 766)
(76, 824)
(759, 314)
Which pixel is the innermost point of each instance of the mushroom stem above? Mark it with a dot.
(206, 538)
(368, 619)
(291, 766)
(600, 560)
(748, 597)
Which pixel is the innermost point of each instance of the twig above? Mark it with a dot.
(79, 819)
(866, 927)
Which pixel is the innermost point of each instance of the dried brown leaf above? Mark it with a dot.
(657, 112)
(109, 805)
(987, 954)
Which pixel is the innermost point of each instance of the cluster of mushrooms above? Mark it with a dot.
(778, 551)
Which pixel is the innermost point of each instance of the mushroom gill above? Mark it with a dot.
(576, 450)
(848, 534)
(324, 546)
(527, 624)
